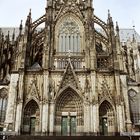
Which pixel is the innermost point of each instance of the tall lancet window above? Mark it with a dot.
(3, 104)
(69, 36)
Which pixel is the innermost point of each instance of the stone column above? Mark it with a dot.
(51, 118)
(11, 107)
(95, 107)
(120, 118)
(45, 107)
(95, 118)
(119, 104)
(18, 118)
(45, 118)
(126, 101)
(86, 117)
(19, 103)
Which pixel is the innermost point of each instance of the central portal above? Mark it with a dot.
(68, 125)
(69, 114)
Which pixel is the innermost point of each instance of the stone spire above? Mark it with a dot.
(20, 28)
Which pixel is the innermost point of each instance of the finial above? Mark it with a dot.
(28, 21)
(109, 13)
(8, 36)
(117, 27)
(0, 31)
(2, 36)
(13, 36)
(133, 24)
(20, 28)
(69, 53)
(30, 12)
(134, 39)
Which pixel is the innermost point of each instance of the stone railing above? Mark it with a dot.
(62, 62)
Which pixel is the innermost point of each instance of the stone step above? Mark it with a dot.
(69, 138)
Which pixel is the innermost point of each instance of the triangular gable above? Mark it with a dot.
(33, 91)
(69, 77)
(105, 92)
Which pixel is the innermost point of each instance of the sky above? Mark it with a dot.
(125, 12)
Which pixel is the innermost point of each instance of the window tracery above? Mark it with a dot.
(134, 102)
(3, 105)
(69, 37)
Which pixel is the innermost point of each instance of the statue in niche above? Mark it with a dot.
(87, 89)
(52, 89)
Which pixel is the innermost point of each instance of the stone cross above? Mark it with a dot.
(69, 53)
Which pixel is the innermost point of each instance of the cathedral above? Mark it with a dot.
(75, 75)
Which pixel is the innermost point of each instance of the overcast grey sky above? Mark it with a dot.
(126, 12)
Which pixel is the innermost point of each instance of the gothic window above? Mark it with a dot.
(102, 63)
(134, 102)
(3, 104)
(69, 37)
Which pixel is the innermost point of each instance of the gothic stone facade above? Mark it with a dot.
(69, 78)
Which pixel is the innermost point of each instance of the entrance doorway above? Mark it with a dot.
(69, 113)
(68, 126)
(32, 125)
(107, 119)
(31, 118)
(104, 128)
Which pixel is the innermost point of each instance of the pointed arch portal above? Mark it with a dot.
(31, 118)
(69, 113)
(107, 118)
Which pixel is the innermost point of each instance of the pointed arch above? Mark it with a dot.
(31, 116)
(69, 34)
(107, 118)
(68, 87)
(68, 104)
(31, 99)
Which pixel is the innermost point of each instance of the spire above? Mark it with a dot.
(13, 36)
(20, 28)
(28, 22)
(0, 34)
(117, 27)
(109, 20)
(0, 31)
(29, 19)
(8, 37)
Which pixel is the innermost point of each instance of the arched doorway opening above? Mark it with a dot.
(31, 118)
(107, 119)
(69, 113)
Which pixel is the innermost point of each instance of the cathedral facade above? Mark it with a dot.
(69, 78)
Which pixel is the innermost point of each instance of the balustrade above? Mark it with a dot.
(62, 62)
